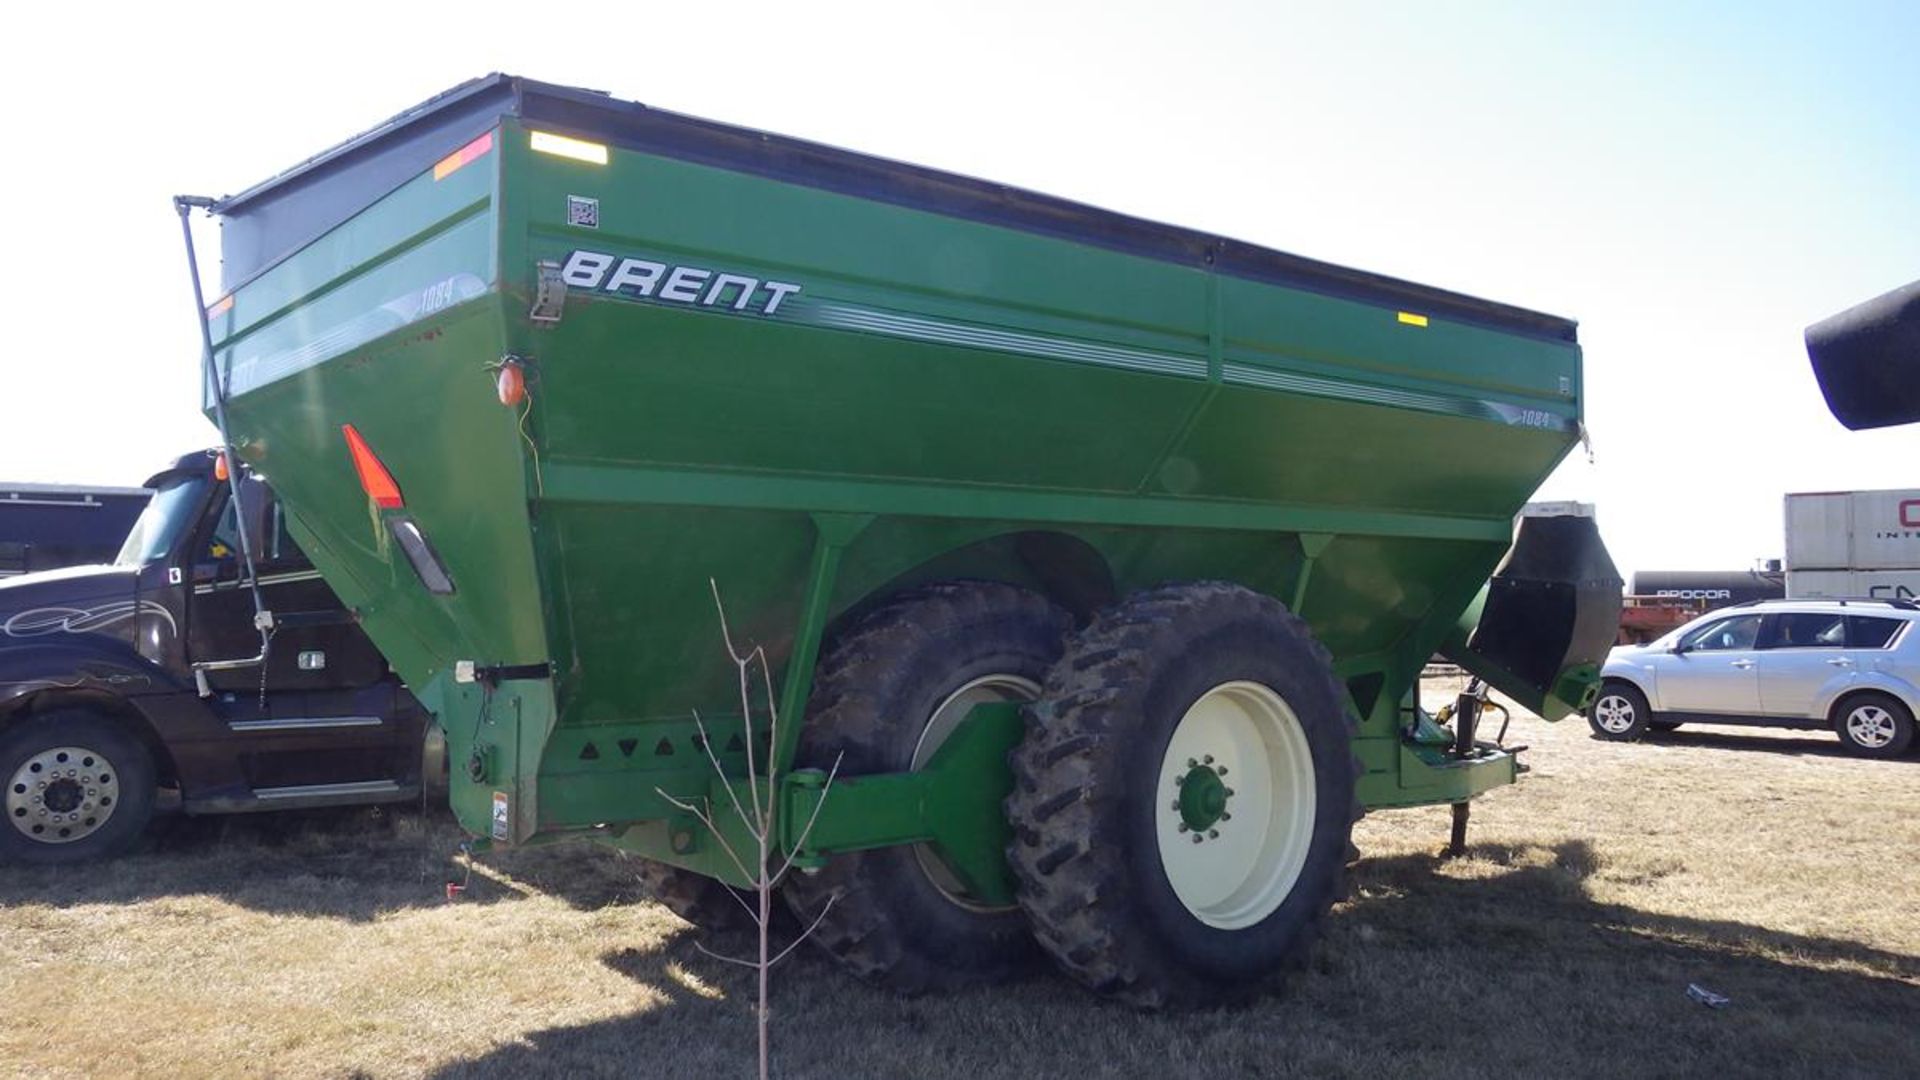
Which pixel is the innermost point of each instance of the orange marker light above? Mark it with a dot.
(512, 384)
(462, 157)
(374, 476)
(220, 467)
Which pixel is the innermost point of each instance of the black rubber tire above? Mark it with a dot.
(1618, 694)
(707, 903)
(1085, 792)
(117, 749)
(876, 687)
(1898, 713)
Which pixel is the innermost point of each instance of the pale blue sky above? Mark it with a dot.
(1694, 182)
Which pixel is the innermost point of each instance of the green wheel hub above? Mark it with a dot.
(1203, 796)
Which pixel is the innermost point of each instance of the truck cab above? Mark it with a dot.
(125, 688)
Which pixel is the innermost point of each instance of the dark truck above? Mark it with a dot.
(119, 682)
(46, 526)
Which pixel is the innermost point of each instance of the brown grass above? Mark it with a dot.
(1767, 867)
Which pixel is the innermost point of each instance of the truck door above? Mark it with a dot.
(334, 717)
(305, 656)
(1714, 671)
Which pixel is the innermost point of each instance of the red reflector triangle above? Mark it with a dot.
(374, 476)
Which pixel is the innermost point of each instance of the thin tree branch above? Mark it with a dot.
(704, 819)
(800, 841)
(808, 932)
(753, 824)
(740, 664)
(754, 964)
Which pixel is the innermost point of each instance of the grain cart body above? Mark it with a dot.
(820, 380)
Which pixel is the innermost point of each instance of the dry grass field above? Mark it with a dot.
(1766, 867)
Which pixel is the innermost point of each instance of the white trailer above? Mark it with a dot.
(1854, 544)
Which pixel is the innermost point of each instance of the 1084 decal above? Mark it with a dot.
(694, 286)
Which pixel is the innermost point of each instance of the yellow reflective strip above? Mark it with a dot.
(577, 149)
(1411, 319)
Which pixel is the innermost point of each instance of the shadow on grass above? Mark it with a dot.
(350, 863)
(1761, 740)
(1501, 963)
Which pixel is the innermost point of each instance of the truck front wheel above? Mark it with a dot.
(1184, 798)
(890, 690)
(78, 787)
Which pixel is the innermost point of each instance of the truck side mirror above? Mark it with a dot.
(256, 517)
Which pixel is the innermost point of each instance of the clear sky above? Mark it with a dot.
(1694, 182)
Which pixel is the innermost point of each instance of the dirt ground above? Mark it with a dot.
(1766, 867)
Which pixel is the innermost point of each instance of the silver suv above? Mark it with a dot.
(1849, 665)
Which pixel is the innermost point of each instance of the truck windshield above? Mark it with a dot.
(170, 510)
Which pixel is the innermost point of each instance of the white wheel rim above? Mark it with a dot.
(1871, 726)
(1235, 872)
(62, 795)
(986, 690)
(1614, 714)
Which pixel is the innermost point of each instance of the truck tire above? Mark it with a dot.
(1873, 725)
(1184, 797)
(711, 905)
(77, 787)
(888, 691)
(1620, 713)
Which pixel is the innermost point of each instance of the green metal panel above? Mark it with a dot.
(931, 396)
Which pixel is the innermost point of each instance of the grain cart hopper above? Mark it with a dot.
(531, 366)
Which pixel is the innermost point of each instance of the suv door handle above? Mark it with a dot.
(1741, 664)
(1839, 661)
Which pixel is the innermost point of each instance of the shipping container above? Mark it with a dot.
(1853, 530)
(1847, 584)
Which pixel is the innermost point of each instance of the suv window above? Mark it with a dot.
(1805, 630)
(1726, 634)
(1867, 632)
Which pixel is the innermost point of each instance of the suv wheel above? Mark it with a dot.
(1874, 725)
(1620, 713)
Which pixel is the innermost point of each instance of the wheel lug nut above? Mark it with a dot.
(1213, 834)
(1183, 828)
(1224, 816)
(1191, 763)
(1229, 793)
(1222, 770)
(1209, 759)
(1197, 838)
(1175, 806)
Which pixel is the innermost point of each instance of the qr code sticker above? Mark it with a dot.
(583, 211)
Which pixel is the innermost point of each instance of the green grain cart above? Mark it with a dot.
(1103, 556)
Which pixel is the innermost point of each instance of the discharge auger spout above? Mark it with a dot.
(214, 386)
(1867, 359)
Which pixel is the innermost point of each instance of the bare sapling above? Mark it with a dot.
(762, 864)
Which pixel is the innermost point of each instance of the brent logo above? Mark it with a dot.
(691, 285)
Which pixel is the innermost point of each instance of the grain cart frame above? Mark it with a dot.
(1103, 554)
